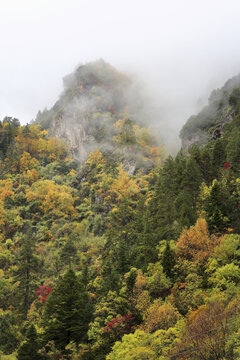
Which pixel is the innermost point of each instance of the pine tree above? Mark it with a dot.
(192, 178)
(67, 313)
(162, 213)
(9, 337)
(29, 349)
(168, 260)
(205, 165)
(122, 257)
(233, 149)
(111, 277)
(218, 206)
(68, 254)
(218, 157)
(27, 268)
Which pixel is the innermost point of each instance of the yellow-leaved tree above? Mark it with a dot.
(123, 187)
(53, 198)
(196, 244)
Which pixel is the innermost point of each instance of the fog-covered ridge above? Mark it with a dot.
(210, 121)
(100, 108)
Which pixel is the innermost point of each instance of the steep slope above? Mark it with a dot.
(100, 108)
(209, 123)
(144, 264)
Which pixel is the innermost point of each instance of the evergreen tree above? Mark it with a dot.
(147, 241)
(195, 153)
(233, 149)
(186, 209)
(121, 236)
(192, 179)
(218, 206)
(85, 278)
(162, 212)
(9, 336)
(205, 165)
(168, 260)
(218, 157)
(29, 349)
(67, 313)
(122, 257)
(111, 277)
(127, 135)
(25, 273)
(8, 130)
(68, 254)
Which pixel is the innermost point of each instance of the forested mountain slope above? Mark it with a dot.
(99, 262)
(210, 122)
(101, 108)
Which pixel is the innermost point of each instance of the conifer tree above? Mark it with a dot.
(29, 349)
(205, 165)
(161, 208)
(168, 260)
(233, 149)
(9, 337)
(68, 312)
(68, 254)
(218, 206)
(27, 268)
(218, 157)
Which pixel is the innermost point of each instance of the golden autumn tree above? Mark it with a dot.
(123, 187)
(140, 298)
(27, 162)
(160, 316)
(6, 189)
(207, 331)
(95, 158)
(27, 139)
(53, 198)
(196, 244)
(2, 219)
(36, 142)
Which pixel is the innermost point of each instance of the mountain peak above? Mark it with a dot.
(96, 107)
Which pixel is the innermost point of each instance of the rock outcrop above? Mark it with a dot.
(101, 108)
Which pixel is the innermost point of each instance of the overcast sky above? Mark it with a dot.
(180, 48)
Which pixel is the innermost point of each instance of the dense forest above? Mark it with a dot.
(128, 253)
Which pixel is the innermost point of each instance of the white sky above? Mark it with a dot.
(181, 48)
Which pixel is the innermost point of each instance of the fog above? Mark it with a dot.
(179, 50)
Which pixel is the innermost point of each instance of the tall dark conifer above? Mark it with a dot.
(67, 313)
(168, 260)
(68, 254)
(218, 157)
(29, 349)
(27, 268)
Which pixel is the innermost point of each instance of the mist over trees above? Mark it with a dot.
(126, 252)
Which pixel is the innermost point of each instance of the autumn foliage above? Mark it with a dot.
(196, 244)
(42, 293)
(120, 324)
(207, 330)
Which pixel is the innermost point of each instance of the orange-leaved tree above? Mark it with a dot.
(196, 244)
(207, 331)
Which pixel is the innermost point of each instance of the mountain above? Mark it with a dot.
(101, 108)
(209, 123)
(101, 263)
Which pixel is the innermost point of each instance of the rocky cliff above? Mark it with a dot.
(101, 108)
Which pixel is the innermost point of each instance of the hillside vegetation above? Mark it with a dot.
(209, 123)
(98, 261)
(101, 108)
